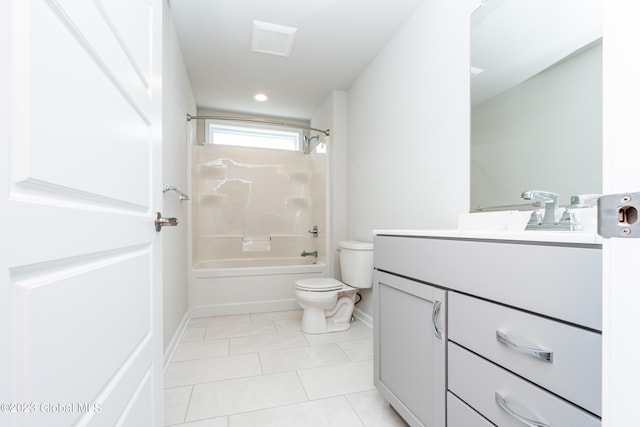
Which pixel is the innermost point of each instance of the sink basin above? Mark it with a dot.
(494, 221)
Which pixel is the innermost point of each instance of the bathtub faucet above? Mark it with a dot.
(313, 254)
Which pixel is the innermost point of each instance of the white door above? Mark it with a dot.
(80, 283)
(621, 257)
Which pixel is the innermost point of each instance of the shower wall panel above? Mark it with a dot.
(254, 203)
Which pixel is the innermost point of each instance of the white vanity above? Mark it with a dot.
(475, 329)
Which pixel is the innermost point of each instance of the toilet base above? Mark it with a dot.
(337, 319)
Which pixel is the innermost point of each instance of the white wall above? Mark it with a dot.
(178, 101)
(408, 121)
(544, 134)
(408, 128)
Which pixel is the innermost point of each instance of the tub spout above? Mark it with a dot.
(313, 254)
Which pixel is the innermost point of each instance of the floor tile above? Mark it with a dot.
(211, 422)
(300, 358)
(203, 322)
(335, 380)
(374, 411)
(358, 331)
(254, 344)
(201, 350)
(287, 325)
(334, 412)
(213, 369)
(243, 395)
(261, 370)
(239, 330)
(175, 404)
(358, 350)
(278, 315)
(193, 335)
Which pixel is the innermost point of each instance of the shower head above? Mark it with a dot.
(306, 143)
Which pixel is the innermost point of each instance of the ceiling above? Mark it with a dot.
(336, 40)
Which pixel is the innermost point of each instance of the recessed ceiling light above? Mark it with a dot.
(260, 97)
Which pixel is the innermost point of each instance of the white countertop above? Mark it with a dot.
(528, 236)
(508, 225)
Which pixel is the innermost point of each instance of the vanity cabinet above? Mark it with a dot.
(523, 330)
(410, 348)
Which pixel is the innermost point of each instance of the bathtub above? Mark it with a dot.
(248, 285)
(235, 263)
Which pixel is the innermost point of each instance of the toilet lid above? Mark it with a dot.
(319, 284)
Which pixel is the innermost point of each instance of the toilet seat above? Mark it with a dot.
(319, 284)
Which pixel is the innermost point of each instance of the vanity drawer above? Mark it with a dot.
(479, 383)
(574, 371)
(459, 414)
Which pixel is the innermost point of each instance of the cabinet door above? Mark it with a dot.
(410, 348)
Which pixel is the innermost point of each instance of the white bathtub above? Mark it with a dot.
(248, 285)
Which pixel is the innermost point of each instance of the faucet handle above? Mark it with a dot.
(535, 220)
(569, 220)
(314, 231)
(584, 200)
(547, 196)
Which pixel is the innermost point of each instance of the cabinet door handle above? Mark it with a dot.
(434, 317)
(545, 355)
(503, 404)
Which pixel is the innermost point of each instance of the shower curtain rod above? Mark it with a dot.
(250, 120)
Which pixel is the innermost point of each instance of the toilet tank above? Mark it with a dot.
(356, 263)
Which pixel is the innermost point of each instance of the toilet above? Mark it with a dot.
(328, 303)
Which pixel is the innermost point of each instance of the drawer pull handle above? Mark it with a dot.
(434, 316)
(503, 404)
(545, 355)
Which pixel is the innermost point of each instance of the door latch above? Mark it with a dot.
(618, 215)
(164, 222)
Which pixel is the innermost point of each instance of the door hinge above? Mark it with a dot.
(618, 215)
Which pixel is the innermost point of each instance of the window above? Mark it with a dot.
(257, 137)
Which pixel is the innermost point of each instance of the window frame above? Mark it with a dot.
(256, 130)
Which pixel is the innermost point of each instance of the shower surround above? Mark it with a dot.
(252, 210)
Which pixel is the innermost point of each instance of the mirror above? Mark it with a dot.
(536, 100)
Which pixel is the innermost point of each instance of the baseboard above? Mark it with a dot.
(363, 317)
(173, 344)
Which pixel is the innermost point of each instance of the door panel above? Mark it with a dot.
(129, 21)
(102, 127)
(84, 281)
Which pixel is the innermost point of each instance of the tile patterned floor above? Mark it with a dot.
(259, 370)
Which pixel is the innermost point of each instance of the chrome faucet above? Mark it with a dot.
(550, 206)
(313, 254)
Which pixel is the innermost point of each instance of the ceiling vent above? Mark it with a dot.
(272, 39)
